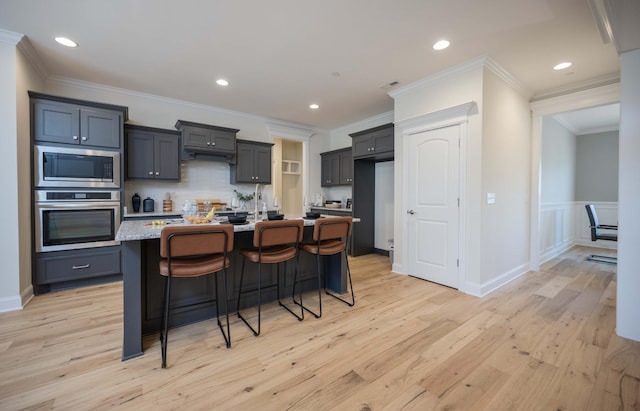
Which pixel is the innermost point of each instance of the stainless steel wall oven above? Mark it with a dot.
(68, 220)
(75, 167)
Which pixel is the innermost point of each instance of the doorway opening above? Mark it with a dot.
(288, 181)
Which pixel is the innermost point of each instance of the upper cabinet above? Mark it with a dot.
(375, 143)
(253, 163)
(207, 140)
(336, 168)
(67, 121)
(152, 153)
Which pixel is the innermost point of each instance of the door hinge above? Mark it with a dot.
(458, 202)
(457, 262)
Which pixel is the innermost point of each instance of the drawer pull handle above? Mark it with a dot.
(80, 267)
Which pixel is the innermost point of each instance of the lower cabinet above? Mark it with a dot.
(75, 267)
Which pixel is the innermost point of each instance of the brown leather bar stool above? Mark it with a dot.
(330, 236)
(194, 251)
(274, 242)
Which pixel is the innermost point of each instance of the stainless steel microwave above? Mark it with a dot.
(62, 167)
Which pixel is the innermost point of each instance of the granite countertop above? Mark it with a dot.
(138, 229)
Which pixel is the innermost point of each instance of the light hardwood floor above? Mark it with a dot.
(545, 341)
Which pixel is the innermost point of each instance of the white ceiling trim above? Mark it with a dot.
(598, 130)
(470, 65)
(578, 100)
(566, 124)
(69, 82)
(383, 118)
(580, 86)
(289, 132)
(25, 46)
(507, 77)
(10, 37)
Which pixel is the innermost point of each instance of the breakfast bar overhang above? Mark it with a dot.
(192, 298)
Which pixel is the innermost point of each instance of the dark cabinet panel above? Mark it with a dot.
(336, 168)
(376, 143)
(202, 139)
(253, 163)
(77, 265)
(57, 122)
(152, 153)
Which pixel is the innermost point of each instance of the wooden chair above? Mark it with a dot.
(274, 242)
(330, 237)
(194, 251)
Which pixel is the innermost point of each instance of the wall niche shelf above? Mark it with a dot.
(290, 167)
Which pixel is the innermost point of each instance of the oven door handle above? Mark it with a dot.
(75, 204)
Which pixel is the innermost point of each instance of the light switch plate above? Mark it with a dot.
(491, 198)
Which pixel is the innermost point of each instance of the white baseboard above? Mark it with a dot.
(556, 251)
(480, 290)
(10, 304)
(26, 295)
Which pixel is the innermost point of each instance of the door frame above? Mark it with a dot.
(457, 115)
(596, 96)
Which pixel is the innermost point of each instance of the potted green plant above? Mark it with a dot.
(244, 198)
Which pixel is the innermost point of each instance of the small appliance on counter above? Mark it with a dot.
(348, 203)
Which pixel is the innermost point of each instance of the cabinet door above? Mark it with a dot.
(100, 128)
(346, 168)
(221, 141)
(361, 146)
(325, 171)
(383, 140)
(263, 165)
(56, 123)
(197, 137)
(245, 167)
(140, 156)
(166, 157)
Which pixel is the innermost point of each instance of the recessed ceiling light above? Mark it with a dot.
(66, 42)
(441, 45)
(222, 82)
(562, 66)
(314, 106)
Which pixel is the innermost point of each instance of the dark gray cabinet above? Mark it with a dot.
(59, 122)
(152, 153)
(74, 266)
(336, 168)
(253, 163)
(205, 139)
(376, 143)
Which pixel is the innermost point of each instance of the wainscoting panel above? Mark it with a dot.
(557, 229)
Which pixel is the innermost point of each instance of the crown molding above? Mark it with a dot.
(382, 118)
(598, 130)
(573, 101)
(507, 77)
(580, 86)
(564, 123)
(10, 37)
(289, 131)
(86, 85)
(25, 46)
(454, 71)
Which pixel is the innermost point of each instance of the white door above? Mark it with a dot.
(433, 209)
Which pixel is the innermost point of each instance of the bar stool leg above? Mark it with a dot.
(240, 292)
(165, 322)
(301, 316)
(316, 315)
(227, 335)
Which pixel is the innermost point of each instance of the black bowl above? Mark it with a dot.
(237, 219)
(275, 216)
(314, 214)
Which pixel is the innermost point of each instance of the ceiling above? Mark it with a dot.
(591, 120)
(282, 55)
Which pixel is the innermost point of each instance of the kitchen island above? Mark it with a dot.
(192, 297)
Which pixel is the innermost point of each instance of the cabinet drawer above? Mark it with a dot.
(77, 265)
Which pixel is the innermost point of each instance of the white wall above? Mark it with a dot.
(628, 302)
(459, 86)
(557, 163)
(506, 155)
(10, 216)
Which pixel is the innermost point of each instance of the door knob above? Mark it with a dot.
(411, 212)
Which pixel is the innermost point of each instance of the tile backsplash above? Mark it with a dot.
(200, 180)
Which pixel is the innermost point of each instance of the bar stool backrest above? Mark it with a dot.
(186, 241)
(277, 232)
(332, 228)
